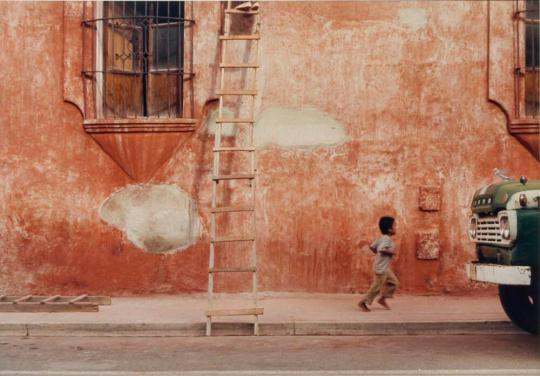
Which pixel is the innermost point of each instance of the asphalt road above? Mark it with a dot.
(284, 356)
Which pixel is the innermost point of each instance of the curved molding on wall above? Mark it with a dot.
(501, 63)
(73, 90)
(140, 146)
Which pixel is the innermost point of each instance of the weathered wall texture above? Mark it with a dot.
(361, 105)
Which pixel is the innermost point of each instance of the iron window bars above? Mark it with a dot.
(528, 65)
(138, 59)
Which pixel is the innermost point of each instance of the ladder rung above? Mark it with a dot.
(235, 312)
(22, 299)
(237, 92)
(226, 239)
(235, 149)
(78, 299)
(227, 209)
(240, 37)
(236, 11)
(233, 177)
(235, 120)
(232, 270)
(50, 299)
(239, 65)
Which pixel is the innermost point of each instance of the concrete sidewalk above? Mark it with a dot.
(284, 314)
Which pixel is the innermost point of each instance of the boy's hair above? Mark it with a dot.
(385, 224)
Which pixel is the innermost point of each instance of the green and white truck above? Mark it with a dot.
(505, 227)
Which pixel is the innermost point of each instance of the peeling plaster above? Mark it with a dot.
(156, 218)
(288, 127)
(227, 129)
(413, 18)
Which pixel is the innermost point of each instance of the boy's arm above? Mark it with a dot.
(364, 243)
(386, 253)
(387, 248)
(373, 247)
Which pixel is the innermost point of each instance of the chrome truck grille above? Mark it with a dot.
(488, 230)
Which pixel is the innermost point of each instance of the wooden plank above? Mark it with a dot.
(228, 239)
(239, 148)
(37, 299)
(239, 65)
(228, 209)
(240, 37)
(246, 12)
(50, 299)
(235, 312)
(139, 121)
(234, 177)
(51, 307)
(232, 270)
(98, 299)
(78, 299)
(22, 299)
(235, 120)
(237, 92)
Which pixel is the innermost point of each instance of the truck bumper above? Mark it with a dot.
(499, 274)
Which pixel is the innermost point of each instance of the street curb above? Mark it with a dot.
(246, 329)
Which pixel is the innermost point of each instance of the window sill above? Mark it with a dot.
(139, 125)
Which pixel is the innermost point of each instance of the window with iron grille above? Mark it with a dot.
(138, 59)
(527, 65)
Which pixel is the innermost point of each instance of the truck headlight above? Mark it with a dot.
(504, 225)
(473, 224)
(523, 199)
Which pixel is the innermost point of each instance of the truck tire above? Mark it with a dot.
(521, 305)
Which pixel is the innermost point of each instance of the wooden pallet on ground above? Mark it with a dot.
(54, 303)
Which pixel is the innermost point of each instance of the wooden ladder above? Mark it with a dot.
(217, 177)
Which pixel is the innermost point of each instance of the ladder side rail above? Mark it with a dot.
(253, 161)
(215, 172)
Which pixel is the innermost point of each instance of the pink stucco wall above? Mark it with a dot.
(404, 82)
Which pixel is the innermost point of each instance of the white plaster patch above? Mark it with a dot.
(156, 218)
(227, 129)
(297, 128)
(413, 18)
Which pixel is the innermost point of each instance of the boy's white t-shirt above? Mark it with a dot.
(382, 262)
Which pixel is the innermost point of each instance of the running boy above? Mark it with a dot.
(385, 280)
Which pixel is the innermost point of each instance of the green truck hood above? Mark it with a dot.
(494, 197)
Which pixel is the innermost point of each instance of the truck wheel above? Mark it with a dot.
(521, 304)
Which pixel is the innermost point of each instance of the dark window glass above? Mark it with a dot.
(532, 59)
(165, 53)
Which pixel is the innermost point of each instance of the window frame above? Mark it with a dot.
(520, 66)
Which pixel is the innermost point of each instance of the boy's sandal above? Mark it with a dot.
(382, 302)
(363, 306)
